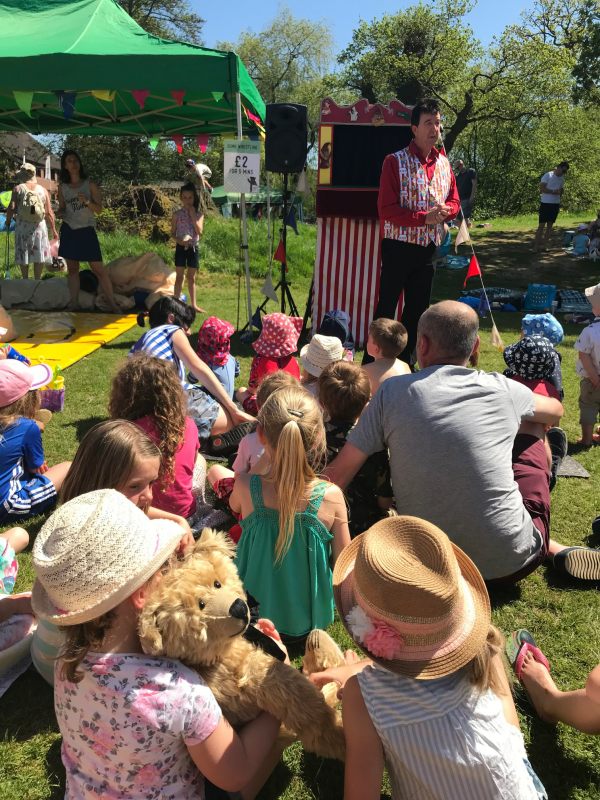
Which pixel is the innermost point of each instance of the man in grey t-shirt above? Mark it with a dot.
(450, 432)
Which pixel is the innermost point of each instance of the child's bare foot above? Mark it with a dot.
(199, 309)
(539, 686)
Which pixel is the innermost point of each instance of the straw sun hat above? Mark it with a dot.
(320, 352)
(410, 599)
(93, 553)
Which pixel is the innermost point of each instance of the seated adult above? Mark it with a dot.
(450, 431)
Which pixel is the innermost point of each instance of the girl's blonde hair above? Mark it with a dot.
(25, 406)
(480, 670)
(292, 425)
(149, 386)
(79, 640)
(106, 457)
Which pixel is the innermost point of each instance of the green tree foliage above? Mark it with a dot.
(170, 19)
(587, 69)
(289, 60)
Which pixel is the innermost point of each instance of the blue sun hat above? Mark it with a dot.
(543, 325)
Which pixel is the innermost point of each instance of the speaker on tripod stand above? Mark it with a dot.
(286, 129)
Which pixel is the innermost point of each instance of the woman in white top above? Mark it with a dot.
(30, 203)
(79, 200)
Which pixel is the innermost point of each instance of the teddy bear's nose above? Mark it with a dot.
(238, 609)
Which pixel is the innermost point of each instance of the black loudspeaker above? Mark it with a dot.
(286, 137)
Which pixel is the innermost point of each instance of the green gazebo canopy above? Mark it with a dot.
(84, 66)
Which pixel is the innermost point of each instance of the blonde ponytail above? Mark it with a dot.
(293, 427)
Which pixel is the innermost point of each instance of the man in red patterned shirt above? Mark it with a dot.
(417, 196)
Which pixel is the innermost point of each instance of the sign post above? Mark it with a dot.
(241, 168)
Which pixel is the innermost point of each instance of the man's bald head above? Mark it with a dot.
(451, 329)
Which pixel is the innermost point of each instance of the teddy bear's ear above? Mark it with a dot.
(150, 636)
(214, 541)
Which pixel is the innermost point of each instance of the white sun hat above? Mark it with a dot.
(93, 553)
(320, 352)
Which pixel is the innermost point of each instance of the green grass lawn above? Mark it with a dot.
(563, 618)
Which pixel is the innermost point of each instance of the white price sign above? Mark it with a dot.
(241, 168)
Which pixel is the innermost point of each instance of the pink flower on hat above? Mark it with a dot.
(384, 641)
(279, 336)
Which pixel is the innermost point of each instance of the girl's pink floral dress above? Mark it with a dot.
(126, 725)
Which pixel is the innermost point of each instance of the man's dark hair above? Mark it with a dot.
(426, 106)
(564, 165)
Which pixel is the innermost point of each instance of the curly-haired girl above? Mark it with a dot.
(146, 390)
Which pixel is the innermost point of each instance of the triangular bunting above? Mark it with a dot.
(108, 95)
(473, 270)
(66, 101)
(496, 339)
(217, 96)
(202, 141)
(23, 101)
(291, 220)
(178, 95)
(153, 143)
(140, 96)
(301, 186)
(268, 289)
(462, 236)
(279, 254)
(178, 139)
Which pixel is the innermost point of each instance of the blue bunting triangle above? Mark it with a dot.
(291, 220)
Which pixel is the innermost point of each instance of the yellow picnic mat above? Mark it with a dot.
(63, 337)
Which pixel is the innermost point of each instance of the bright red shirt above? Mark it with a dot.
(177, 497)
(389, 191)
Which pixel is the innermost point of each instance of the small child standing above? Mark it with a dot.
(344, 391)
(315, 356)
(96, 561)
(275, 346)
(588, 369)
(387, 340)
(187, 225)
(214, 349)
(433, 702)
(547, 325)
(293, 524)
(27, 485)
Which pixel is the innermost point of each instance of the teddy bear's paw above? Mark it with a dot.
(321, 653)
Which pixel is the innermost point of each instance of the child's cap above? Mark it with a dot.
(16, 379)
(593, 294)
(320, 352)
(93, 553)
(279, 335)
(531, 357)
(543, 325)
(190, 162)
(411, 599)
(583, 226)
(213, 341)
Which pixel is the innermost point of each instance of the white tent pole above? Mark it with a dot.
(244, 245)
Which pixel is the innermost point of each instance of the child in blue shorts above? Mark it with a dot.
(27, 485)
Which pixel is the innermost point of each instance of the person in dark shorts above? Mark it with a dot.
(187, 225)
(551, 189)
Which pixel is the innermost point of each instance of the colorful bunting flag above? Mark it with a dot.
(496, 339)
(301, 185)
(23, 101)
(268, 289)
(177, 95)
(291, 220)
(473, 270)
(279, 254)
(108, 95)
(217, 96)
(140, 96)
(462, 236)
(202, 141)
(483, 309)
(153, 143)
(178, 139)
(66, 101)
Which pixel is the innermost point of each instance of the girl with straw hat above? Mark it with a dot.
(133, 725)
(434, 702)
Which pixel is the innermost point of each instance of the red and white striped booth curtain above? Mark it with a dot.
(347, 271)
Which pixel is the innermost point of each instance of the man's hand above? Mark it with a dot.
(437, 214)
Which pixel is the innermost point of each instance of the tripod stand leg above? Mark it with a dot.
(308, 309)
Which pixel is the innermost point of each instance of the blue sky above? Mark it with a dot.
(227, 19)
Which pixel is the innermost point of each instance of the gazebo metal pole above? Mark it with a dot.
(244, 244)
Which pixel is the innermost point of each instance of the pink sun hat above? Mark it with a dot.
(279, 335)
(16, 379)
(411, 600)
(213, 341)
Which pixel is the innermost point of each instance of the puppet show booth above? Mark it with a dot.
(353, 142)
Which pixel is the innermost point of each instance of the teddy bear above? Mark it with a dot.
(198, 612)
